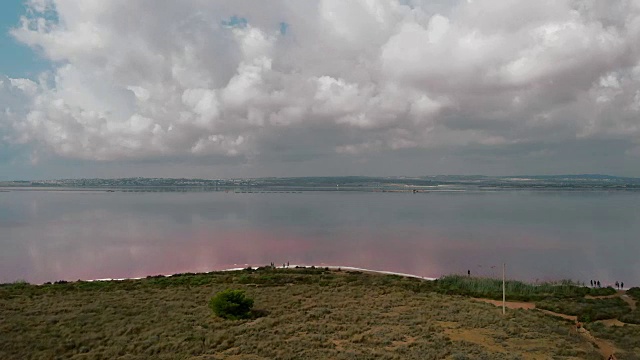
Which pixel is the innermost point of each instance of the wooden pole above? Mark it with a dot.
(504, 296)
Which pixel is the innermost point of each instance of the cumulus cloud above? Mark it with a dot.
(247, 81)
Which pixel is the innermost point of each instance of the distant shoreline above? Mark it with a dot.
(345, 183)
(242, 190)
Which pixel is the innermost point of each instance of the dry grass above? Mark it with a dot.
(309, 314)
(625, 337)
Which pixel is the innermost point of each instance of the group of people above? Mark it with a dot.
(596, 283)
(283, 265)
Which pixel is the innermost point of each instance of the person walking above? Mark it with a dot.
(617, 285)
(621, 286)
(591, 281)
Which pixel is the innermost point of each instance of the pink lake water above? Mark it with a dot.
(70, 235)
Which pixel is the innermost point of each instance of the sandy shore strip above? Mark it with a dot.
(292, 266)
(347, 268)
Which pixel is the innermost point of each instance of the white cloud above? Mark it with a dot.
(135, 80)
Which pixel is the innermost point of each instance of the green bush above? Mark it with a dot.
(605, 291)
(587, 310)
(231, 304)
(632, 317)
(515, 290)
(634, 292)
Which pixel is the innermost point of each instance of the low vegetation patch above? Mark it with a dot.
(634, 292)
(587, 310)
(633, 317)
(626, 338)
(310, 314)
(517, 290)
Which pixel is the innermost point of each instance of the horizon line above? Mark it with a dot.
(331, 176)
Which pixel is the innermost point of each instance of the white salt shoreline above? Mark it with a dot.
(332, 267)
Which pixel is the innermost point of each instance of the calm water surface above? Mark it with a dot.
(53, 235)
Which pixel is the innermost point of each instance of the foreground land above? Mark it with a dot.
(315, 314)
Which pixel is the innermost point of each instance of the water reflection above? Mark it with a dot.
(48, 236)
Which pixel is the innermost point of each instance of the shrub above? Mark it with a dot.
(231, 304)
(515, 290)
(632, 317)
(634, 292)
(605, 291)
(587, 310)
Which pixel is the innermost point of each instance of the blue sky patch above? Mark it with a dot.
(283, 28)
(17, 60)
(235, 22)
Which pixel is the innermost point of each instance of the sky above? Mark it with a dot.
(220, 89)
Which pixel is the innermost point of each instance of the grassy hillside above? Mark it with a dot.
(307, 314)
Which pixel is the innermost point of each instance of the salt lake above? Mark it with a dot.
(50, 235)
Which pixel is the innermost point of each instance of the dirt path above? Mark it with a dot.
(564, 316)
(621, 294)
(632, 303)
(527, 306)
(601, 296)
(604, 347)
(510, 304)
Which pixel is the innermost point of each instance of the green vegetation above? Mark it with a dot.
(231, 304)
(626, 338)
(516, 290)
(565, 297)
(312, 314)
(634, 292)
(587, 310)
(633, 317)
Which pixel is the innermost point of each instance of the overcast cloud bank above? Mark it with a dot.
(525, 83)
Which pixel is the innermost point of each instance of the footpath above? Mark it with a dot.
(604, 347)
